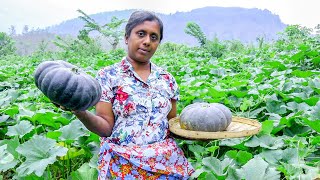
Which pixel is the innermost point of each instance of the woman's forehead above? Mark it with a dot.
(148, 25)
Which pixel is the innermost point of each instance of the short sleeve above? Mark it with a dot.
(104, 80)
(174, 88)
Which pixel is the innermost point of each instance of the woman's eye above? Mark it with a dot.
(140, 34)
(154, 37)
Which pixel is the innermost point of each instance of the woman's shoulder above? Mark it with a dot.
(110, 70)
(161, 70)
(165, 74)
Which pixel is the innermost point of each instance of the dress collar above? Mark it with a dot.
(155, 70)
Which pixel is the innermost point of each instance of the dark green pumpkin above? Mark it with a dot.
(67, 85)
(205, 117)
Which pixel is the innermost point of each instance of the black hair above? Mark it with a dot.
(138, 17)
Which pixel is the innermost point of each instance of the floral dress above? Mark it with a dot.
(139, 146)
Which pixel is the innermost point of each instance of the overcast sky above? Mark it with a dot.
(43, 13)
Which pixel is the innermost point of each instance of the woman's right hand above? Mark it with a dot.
(61, 107)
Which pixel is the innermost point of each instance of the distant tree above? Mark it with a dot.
(260, 40)
(42, 47)
(84, 36)
(12, 31)
(109, 30)
(25, 29)
(194, 30)
(296, 32)
(7, 45)
(214, 47)
(317, 29)
(234, 46)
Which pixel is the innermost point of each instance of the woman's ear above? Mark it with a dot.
(126, 39)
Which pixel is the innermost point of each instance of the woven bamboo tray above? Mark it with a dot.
(239, 127)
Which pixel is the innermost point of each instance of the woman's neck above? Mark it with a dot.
(143, 69)
(139, 66)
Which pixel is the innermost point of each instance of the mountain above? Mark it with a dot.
(226, 23)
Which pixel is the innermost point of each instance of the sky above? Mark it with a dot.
(44, 13)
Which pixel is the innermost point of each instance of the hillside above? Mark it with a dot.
(225, 23)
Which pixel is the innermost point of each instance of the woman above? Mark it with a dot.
(132, 116)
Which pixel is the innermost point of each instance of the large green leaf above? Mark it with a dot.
(20, 129)
(275, 107)
(73, 131)
(315, 125)
(32, 177)
(272, 156)
(12, 111)
(267, 127)
(299, 171)
(213, 164)
(291, 156)
(265, 141)
(232, 174)
(39, 152)
(315, 113)
(85, 172)
(7, 160)
(296, 107)
(241, 157)
(258, 169)
(3, 118)
(12, 145)
(23, 112)
(46, 118)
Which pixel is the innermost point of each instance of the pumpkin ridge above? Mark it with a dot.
(43, 83)
(223, 121)
(226, 111)
(87, 93)
(43, 73)
(39, 71)
(65, 64)
(56, 86)
(78, 100)
(68, 91)
(94, 96)
(73, 90)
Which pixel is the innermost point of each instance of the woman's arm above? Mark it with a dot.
(101, 123)
(173, 111)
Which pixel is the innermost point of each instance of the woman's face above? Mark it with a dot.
(143, 41)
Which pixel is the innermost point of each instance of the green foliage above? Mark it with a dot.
(172, 47)
(109, 30)
(7, 45)
(194, 30)
(277, 84)
(85, 173)
(20, 129)
(215, 48)
(294, 32)
(82, 47)
(39, 152)
(7, 160)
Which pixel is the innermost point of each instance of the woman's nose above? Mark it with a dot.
(146, 40)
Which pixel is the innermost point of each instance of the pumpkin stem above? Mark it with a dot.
(75, 70)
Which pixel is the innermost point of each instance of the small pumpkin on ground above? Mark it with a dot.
(67, 85)
(210, 117)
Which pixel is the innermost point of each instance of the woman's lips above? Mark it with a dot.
(143, 51)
